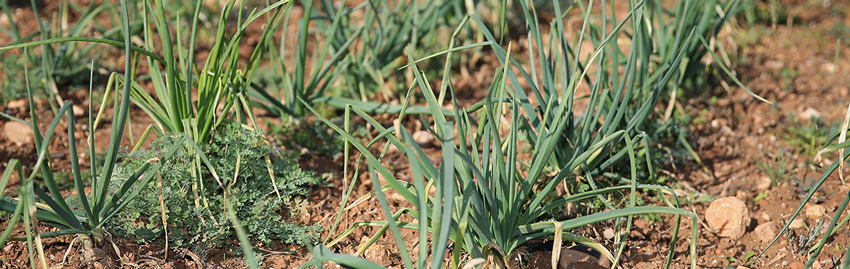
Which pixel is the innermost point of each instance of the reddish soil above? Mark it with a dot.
(791, 66)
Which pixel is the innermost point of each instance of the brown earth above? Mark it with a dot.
(791, 66)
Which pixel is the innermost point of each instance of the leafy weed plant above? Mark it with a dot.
(314, 136)
(775, 167)
(239, 157)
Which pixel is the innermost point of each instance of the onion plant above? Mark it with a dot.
(497, 202)
(221, 84)
(296, 80)
(356, 57)
(838, 142)
(35, 205)
(388, 28)
(58, 62)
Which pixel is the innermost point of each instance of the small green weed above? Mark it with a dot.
(746, 258)
(761, 196)
(313, 136)
(775, 167)
(807, 138)
(12, 88)
(788, 76)
(253, 195)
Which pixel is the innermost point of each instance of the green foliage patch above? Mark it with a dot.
(238, 157)
(314, 136)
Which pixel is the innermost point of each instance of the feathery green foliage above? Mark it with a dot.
(238, 155)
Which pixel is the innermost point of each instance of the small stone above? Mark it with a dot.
(728, 217)
(78, 111)
(18, 133)
(17, 104)
(392, 148)
(716, 124)
(808, 114)
(423, 138)
(94, 254)
(741, 195)
(827, 68)
(396, 197)
(608, 233)
(381, 180)
(773, 65)
(797, 224)
(815, 212)
(766, 231)
(844, 92)
(765, 216)
(374, 254)
(763, 184)
(816, 265)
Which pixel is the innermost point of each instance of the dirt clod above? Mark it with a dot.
(78, 110)
(766, 231)
(574, 258)
(815, 212)
(17, 104)
(765, 216)
(763, 184)
(728, 217)
(797, 224)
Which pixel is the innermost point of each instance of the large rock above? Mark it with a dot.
(728, 217)
(17, 132)
(582, 256)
